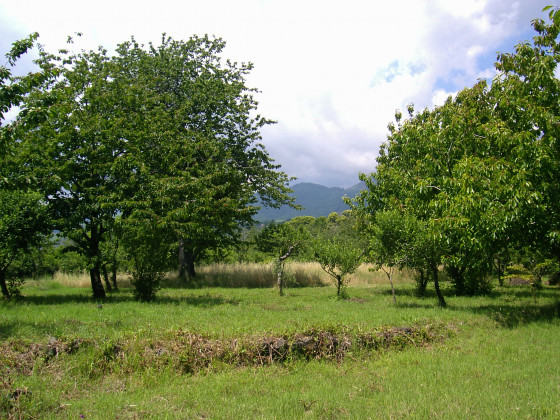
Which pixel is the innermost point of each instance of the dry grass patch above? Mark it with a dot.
(242, 275)
(298, 274)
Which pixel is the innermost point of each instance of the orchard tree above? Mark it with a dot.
(166, 134)
(23, 223)
(338, 249)
(23, 213)
(479, 173)
(282, 240)
(73, 131)
(200, 168)
(147, 246)
(526, 94)
(389, 239)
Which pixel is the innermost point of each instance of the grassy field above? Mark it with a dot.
(216, 352)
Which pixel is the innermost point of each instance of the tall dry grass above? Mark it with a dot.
(250, 275)
(80, 280)
(298, 274)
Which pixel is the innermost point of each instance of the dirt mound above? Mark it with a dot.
(190, 352)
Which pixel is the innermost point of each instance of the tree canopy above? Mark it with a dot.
(479, 173)
(163, 134)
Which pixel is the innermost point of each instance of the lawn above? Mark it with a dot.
(250, 353)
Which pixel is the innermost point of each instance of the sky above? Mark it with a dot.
(331, 73)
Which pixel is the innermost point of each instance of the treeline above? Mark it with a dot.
(151, 159)
(302, 239)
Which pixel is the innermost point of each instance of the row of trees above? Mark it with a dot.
(155, 148)
(332, 241)
(462, 185)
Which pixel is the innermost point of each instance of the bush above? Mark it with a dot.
(146, 285)
(554, 279)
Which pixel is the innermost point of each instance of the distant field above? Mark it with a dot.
(249, 353)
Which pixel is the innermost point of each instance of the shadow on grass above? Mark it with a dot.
(510, 316)
(203, 300)
(44, 329)
(522, 292)
(508, 306)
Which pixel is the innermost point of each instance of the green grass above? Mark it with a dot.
(492, 357)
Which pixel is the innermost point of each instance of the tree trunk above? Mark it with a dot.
(114, 275)
(422, 283)
(280, 278)
(182, 270)
(94, 254)
(500, 268)
(338, 285)
(186, 262)
(441, 300)
(96, 285)
(3, 285)
(458, 278)
(115, 265)
(106, 278)
(281, 263)
(389, 275)
(189, 263)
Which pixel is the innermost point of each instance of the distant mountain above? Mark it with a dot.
(316, 200)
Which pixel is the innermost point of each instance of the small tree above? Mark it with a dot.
(389, 238)
(338, 247)
(282, 241)
(337, 258)
(23, 222)
(147, 245)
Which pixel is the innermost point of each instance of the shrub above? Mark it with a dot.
(146, 285)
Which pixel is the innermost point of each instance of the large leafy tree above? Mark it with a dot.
(480, 173)
(23, 215)
(73, 130)
(526, 95)
(163, 134)
(201, 166)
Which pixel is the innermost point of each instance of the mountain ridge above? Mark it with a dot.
(316, 200)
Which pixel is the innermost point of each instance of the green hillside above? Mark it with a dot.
(316, 200)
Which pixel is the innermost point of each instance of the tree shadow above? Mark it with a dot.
(511, 316)
(43, 329)
(7, 329)
(60, 299)
(203, 300)
(508, 306)
(206, 300)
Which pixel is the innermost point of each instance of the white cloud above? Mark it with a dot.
(463, 9)
(332, 73)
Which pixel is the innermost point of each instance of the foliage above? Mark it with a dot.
(23, 221)
(282, 241)
(23, 215)
(199, 167)
(337, 249)
(477, 172)
(165, 133)
(147, 246)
